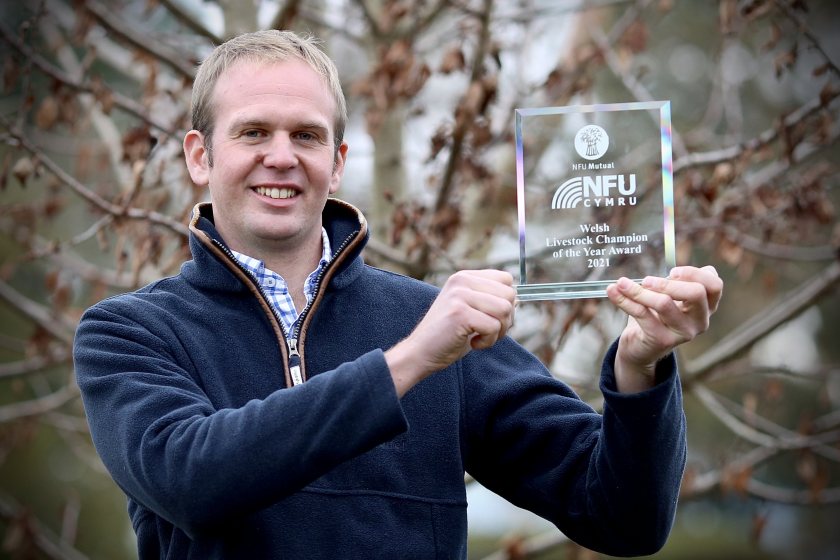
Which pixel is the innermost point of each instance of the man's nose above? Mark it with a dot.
(280, 152)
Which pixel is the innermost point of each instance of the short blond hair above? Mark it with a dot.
(263, 46)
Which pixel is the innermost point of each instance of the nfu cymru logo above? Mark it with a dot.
(591, 143)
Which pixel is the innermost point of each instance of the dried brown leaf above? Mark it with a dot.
(11, 74)
(735, 479)
(730, 252)
(821, 69)
(636, 37)
(828, 93)
(759, 523)
(785, 60)
(453, 61)
(775, 36)
(47, 114)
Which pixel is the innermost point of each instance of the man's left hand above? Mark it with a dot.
(663, 313)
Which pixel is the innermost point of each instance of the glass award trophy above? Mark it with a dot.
(594, 197)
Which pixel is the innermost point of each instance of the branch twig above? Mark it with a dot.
(89, 195)
(120, 101)
(118, 28)
(793, 303)
(57, 326)
(768, 136)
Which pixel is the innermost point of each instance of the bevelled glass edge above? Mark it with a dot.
(564, 290)
(585, 289)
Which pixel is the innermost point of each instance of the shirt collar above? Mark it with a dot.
(267, 278)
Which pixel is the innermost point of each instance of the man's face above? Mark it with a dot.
(274, 156)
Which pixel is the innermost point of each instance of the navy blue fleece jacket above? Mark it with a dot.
(188, 392)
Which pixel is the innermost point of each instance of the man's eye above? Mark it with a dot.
(253, 133)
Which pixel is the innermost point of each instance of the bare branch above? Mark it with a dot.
(375, 30)
(89, 195)
(630, 82)
(790, 305)
(40, 405)
(120, 101)
(188, 21)
(792, 496)
(160, 51)
(47, 248)
(462, 124)
(696, 485)
(778, 251)
(35, 364)
(90, 272)
(768, 136)
(284, 16)
(543, 542)
(799, 253)
(55, 325)
(431, 15)
(46, 541)
(783, 440)
(803, 28)
(460, 132)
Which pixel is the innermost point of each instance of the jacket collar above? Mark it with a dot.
(345, 225)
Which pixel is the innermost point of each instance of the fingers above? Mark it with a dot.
(672, 310)
(482, 303)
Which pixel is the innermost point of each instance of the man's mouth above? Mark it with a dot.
(276, 192)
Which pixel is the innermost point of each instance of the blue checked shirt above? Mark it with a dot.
(277, 290)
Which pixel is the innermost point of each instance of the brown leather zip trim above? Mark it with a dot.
(337, 259)
(266, 306)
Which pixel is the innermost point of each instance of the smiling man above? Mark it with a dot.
(279, 398)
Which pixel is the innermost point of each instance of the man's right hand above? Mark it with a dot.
(473, 310)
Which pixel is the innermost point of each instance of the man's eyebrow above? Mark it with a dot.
(313, 125)
(255, 122)
(248, 122)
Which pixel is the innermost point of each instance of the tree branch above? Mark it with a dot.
(89, 195)
(283, 18)
(120, 101)
(188, 20)
(35, 364)
(696, 485)
(768, 136)
(783, 440)
(46, 541)
(537, 544)
(40, 405)
(158, 50)
(630, 82)
(806, 31)
(790, 305)
(55, 325)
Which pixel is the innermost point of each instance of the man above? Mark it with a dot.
(281, 399)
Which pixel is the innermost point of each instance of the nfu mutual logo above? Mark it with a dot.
(591, 143)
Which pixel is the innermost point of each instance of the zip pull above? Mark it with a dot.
(294, 362)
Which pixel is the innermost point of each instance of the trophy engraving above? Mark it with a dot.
(594, 197)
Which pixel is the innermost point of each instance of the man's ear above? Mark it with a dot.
(338, 167)
(196, 156)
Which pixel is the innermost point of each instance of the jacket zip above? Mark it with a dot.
(292, 340)
(295, 359)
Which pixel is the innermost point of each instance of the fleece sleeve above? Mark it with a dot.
(169, 449)
(609, 481)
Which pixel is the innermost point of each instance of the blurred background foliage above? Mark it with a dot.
(94, 195)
